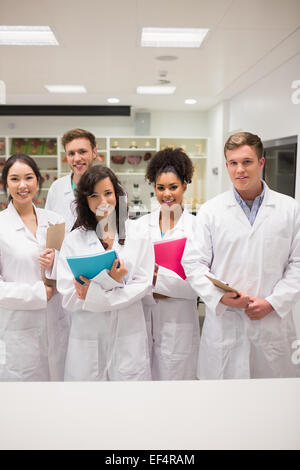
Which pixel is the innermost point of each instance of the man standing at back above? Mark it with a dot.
(81, 151)
(248, 237)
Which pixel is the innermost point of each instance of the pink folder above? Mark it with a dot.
(168, 254)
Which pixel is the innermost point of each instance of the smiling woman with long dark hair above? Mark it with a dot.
(108, 339)
(85, 216)
(33, 325)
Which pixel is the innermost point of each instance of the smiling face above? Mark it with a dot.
(80, 156)
(22, 183)
(102, 202)
(244, 169)
(169, 189)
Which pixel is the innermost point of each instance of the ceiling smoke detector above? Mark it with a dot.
(167, 58)
(163, 81)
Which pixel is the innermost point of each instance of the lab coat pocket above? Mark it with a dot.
(176, 338)
(82, 360)
(276, 252)
(132, 357)
(23, 355)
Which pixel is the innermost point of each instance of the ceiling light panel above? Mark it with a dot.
(190, 101)
(173, 37)
(66, 88)
(113, 100)
(27, 36)
(155, 90)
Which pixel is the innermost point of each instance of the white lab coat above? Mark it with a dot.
(173, 323)
(108, 339)
(33, 332)
(60, 199)
(262, 260)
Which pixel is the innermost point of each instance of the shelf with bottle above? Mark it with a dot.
(130, 164)
(133, 144)
(194, 147)
(130, 155)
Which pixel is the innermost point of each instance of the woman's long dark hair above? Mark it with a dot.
(21, 157)
(85, 217)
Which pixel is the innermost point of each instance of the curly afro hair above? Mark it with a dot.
(170, 160)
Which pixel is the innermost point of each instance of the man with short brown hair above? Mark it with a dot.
(248, 237)
(81, 151)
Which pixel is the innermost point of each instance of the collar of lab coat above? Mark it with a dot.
(264, 210)
(268, 200)
(17, 222)
(181, 224)
(92, 239)
(68, 186)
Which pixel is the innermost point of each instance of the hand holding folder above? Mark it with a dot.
(168, 254)
(90, 265)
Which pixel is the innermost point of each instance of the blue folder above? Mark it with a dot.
(91, 265)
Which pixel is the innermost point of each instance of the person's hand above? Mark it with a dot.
(49, 292)
(155, 274)
(81, 289)
(118, 270)
(232, 300)
(46, 258)
(258, 308)
(160, 296)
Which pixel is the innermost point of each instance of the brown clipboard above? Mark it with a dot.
(54, 238)
(223, 286)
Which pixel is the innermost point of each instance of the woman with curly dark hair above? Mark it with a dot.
(108, 339)
(171, 317)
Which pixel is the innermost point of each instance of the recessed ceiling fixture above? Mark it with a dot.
(155, 90)
(113, 100)
(173, 37)
(27, 36)
(66, 88)
(190, 101)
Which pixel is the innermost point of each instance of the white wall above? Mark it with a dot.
(217, 131)
(163, 123)
(179, 123)
(57, 125)
(266, 108)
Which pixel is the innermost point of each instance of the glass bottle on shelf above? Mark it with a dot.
(154, 204)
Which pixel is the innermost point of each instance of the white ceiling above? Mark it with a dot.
(99, 48)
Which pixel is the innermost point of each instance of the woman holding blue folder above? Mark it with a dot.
(171, 314)
(108, 339)
(34, 327)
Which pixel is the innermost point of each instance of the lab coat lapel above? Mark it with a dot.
(15, 219)
(93, 241)
(154, 225)
(265, 209)
(18, 223)
(179, 227)
(42, 217)
(68, 187)
(235, 210)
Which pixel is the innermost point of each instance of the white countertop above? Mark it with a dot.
(232, 414)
